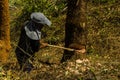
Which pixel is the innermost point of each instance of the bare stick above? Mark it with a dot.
(69, 49)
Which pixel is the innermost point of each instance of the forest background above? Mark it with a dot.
(103, 42)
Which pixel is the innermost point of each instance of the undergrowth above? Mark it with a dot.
(103, 40)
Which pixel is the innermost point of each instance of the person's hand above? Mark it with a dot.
(43, 45)
(81, 51)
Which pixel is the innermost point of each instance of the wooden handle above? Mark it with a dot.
(69, 49)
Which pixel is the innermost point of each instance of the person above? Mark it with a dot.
(29, 41)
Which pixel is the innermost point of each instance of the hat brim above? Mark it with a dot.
(40, 18)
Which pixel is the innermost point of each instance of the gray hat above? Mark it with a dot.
(40, 18)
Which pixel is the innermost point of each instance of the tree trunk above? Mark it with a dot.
(75, 26)
(4, 31)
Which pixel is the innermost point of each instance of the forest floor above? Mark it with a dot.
(86, 67)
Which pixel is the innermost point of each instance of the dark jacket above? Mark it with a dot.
(26, 47)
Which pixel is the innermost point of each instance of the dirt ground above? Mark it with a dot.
(48, 67)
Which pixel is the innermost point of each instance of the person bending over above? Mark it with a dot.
(29, 41)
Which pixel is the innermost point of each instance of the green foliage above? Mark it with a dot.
(103, 22)
(104, 28)
(103, 1)
(15, 2)
(48, 7)
(51, 8)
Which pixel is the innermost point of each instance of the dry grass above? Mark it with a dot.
(102, 67)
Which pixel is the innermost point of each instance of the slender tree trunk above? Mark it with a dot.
(4, 31)
(75, 26)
